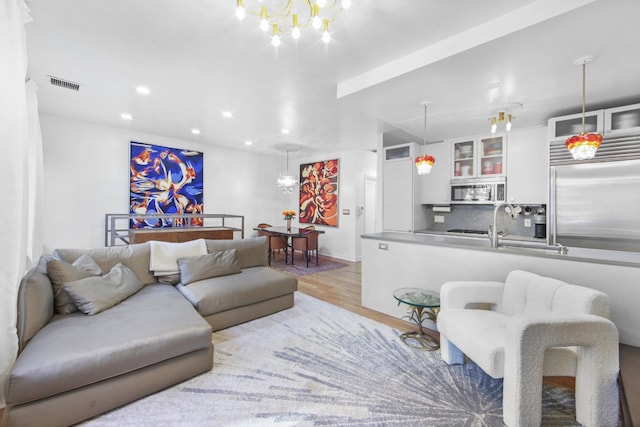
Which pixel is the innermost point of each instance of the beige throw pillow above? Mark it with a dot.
(98, 293)
(202, 267)
(61, 272)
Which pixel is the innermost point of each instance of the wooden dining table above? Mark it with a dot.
(285, 233)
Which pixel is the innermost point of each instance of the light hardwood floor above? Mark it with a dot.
(342, 287)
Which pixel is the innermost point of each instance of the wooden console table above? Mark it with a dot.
(177, 235)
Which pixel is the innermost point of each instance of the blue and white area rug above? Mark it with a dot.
(320, 365)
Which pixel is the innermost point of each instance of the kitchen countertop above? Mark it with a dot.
(481, 242)
(507, 237)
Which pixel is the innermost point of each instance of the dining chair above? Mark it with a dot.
(261, 232)
(276, 243)
(307, 243)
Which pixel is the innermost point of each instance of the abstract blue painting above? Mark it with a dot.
(165, 180)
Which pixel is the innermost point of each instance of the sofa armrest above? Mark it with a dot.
(561, 330)
(460, 294)
(34, 305)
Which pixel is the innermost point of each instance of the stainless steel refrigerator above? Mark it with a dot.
(596, 203)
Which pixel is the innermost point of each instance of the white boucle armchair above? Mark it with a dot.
(532, 326)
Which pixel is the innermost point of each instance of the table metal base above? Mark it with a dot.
(419, 339)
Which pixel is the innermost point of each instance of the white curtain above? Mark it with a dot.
(18, 140)
(35, 170)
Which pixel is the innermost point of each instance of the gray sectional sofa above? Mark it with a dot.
(147, 337)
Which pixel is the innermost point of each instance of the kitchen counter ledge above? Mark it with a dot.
(481, 243)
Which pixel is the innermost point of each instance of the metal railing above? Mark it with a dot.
(118, 226)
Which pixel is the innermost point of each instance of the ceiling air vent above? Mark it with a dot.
(67, 84)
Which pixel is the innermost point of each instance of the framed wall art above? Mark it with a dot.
(319, 192)
(164, 180)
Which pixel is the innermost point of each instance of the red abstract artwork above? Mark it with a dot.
(319, 193)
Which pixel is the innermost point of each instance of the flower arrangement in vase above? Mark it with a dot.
(288, 215)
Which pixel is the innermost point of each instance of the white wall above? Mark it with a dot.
(86, 173)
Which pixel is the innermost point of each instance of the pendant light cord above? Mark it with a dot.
(424, 139)
(584, 96)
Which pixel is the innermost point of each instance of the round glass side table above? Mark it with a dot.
(422, 304)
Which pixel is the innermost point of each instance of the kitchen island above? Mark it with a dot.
(393, 260)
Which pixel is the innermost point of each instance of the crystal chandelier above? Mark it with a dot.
(584, 145)
(284, 17)
(287, 182)
(424, 163)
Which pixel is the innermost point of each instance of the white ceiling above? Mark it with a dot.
(385, 58)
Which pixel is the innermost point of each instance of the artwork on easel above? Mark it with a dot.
(319, 193)
(164, 180)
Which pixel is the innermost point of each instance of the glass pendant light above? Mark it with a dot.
(424, 163)
(584, 145)
(287, 182)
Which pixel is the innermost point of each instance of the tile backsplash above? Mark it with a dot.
(479, 217)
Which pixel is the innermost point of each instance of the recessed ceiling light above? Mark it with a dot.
(195, 131)
(248, 143)
(126, 116)
(227, 114)
(143, 90)
(285, 131)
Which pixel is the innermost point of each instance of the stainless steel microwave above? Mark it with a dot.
(478, 191)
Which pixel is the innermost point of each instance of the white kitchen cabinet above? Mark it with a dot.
(435, 186)
(528, 166)
(622, 121)
(565, 126)
(463, 153)
(401, 194)
(610, 122)
(480, 157)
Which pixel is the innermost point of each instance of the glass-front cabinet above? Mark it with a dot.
(479, 157)
(566, 126)
(610, 122)
(464, 158)
(622, 121)
(491, 155)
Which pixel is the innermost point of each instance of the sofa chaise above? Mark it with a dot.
(71, 367)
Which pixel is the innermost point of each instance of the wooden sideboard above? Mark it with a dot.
(180, 235)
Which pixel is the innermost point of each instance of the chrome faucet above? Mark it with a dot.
(493, 229)
(562, 250)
